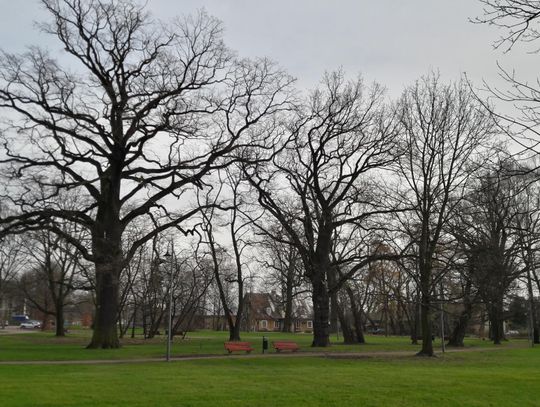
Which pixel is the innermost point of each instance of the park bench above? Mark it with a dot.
(285, 345)
(238, 347)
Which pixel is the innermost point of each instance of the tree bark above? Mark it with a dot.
(347, 329)
(415, 329)
(288, 320)
(134, 320)
(234, 329)
(334, 313)
(532, 310)
(357, 316)
(425, 257)
(105, 333)
(107, 250)
(425, 322)
(425, 316)
(289, 291)
(59, 319)
(458, 333)
(495, 315)
(321, 312)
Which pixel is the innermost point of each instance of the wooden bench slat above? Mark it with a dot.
(238, 346)
(285, 345)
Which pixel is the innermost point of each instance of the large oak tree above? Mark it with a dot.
(317, 185)
(131, 117)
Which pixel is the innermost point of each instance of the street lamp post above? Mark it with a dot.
(169, 257)
(442, 319)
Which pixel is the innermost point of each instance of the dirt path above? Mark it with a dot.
(330, 355)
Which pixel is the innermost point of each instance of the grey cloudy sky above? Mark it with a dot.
(390, 41)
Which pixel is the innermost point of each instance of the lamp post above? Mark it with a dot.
(442, 319)
(169, 257)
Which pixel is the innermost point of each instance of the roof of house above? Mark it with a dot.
(263, 306)
(270, 306)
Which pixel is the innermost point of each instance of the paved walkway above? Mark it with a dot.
(15, 330)
(330, 355)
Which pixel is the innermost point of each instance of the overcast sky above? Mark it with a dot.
(389, 41)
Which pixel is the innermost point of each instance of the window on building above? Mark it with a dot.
(310, 324)
(297, 324)
(263, 324)
(276, 324)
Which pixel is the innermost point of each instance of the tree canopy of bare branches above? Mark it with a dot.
(442, 128)
(317, 184)
(518, 18)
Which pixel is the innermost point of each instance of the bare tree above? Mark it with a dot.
(518, 19)
(313, 186)
(443, 126)
(528, 235)
(282, 268)
(55, 274)
(148, 111)
(158, 278)
(489, 233)
(229, 258)
(12, 262)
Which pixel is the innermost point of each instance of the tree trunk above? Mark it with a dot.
(109, 259)
(59, 317)
(288, 320)
(234, 329)
(532, 310)
(460, 328)
(357, 316)
(155, 322)
(144, 323)
(334, 312)
(346, 328)
(358, 326)
(321, 312)
(234, 332)
(425, 315)
(134, 320)
(289, 291)
(425, 322)
(415, 329)
(482, 328)
(425, 269)
(458, 333)
(495, 315)
(120, 325)
(105, 334)
(3, 315)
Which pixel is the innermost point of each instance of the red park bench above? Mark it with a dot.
(285, 345)
(238, 347)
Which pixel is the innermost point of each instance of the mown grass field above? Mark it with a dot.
(486, 376)
(44, 346)
(508, 377)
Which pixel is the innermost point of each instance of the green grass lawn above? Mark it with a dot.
(508, 377)
(44, 346)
